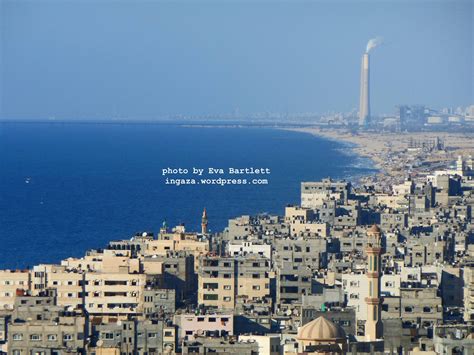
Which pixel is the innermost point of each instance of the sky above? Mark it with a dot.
(102, 59)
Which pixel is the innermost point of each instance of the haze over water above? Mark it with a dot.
(65, 188)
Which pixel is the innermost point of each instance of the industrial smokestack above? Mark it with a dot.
(364, 104)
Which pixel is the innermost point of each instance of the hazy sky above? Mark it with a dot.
(145, 59)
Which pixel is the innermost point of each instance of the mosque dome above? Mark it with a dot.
(321, 329)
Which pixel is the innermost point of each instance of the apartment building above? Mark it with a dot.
(292, 282)
(177, 270)
(468, 293)
(306, 252)
(114, 294)
(62, 335)
(420, 305)
(10, 282)
(244, 248)
(209, 325)
(136, 337)
(216, 282)
(252, 274)
(356, 290)
(313, 194)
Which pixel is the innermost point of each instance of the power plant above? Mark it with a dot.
(364, 103)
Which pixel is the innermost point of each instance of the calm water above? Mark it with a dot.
(65, 188)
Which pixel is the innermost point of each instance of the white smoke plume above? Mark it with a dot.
(374, 42)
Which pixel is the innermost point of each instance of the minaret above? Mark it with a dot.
(364, 104)
(164, 228)
(373, 325)
(204, 222)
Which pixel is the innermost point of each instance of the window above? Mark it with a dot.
(109, 335)
(52, 337)
(427, 309)
(226, 299)
(67, 337)
(35, 337)
(409, 309)
(17, 336)
(255, 287)
(227, 287)
(151, 335)
(211, 297)
(168, 333)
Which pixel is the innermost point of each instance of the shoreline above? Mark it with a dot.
(393, 154)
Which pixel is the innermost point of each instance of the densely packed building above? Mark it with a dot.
(352, 270)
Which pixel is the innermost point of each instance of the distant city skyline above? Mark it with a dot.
(145, 60)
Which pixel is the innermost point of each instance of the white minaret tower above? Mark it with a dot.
(373, 324)
(364, 104)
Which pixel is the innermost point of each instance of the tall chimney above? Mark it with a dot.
(364, 105)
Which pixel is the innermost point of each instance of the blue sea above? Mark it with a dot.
(66, 188)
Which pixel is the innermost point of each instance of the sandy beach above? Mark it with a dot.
(391, 154)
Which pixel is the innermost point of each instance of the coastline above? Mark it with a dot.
(391, 153)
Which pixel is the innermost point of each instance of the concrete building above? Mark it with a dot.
(205, 345)
(114, 294)
(208, 325)
(292, 282)
(63, 335)
(468, 293)
(314, 194)
(267, 344)
(245, 248)
(453, 339)
(10, 282)
(224, 280)
(216, 282)
(135, 337)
